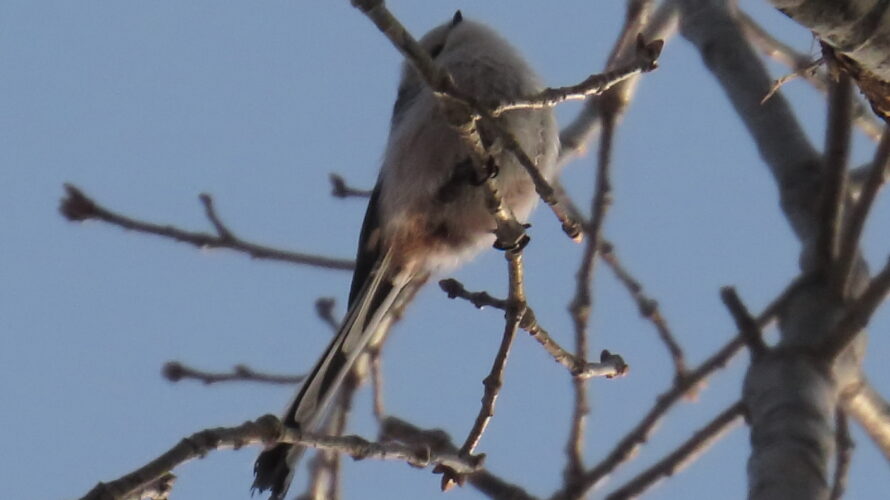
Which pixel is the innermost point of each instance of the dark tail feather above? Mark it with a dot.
(273, 470)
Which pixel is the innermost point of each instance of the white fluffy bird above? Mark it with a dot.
(425, 214)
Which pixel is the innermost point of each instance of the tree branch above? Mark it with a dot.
(644, 60)
(682, 456)
(76, 206)
(872, 411)
(834, 180)
(440, 443)
(858, 314)
(174, 371)
(844, 454)
(744, 322)
(339, 188)
(849, 243)
(798, 62)
(626, 447)
(495, 379)
(662, 25)
(647, 306)
(268, 429)
(610, 365)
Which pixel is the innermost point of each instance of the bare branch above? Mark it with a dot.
(268, 429)
(324, 470)
(778, 84)
(195, 446)
(744, 322)
(360, 448)
(643, 62)
(581, 304)
(780, 139)
(174, 371)
(324, 308)
(647, 306)
(662, 25)
(798, 62)
(440, 443)
(377, 382)
(495, 379)
(858, 35)
(858, 314)
(339, 188)
(456, 289)
(76, 206)
(610, 365)
(859, 213)
(872, 411)
(834, 180)
(627, 445)
(844, 453)
(683, 455)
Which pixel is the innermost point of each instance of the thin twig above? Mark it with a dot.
(858, 314)
(779, 83)
(339, 188)
(844, 453)
(610, 365)
(777, 133)
(581, 305)
(324, 308)
(859, 213)
(560, 192)
(575, 136)
(319, 473)
(744, 322)
(324, 470)
(797, 62)
(834, 178)
(195, 446)
(683, 455)
(647, 306)
(644, 61)
(456, 289)
(871, 410)
(376, 361)
(627, 445)
(495, 379)
(174, 371)
(439, 442)
(77, 206)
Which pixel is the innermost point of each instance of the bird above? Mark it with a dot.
(426, 214)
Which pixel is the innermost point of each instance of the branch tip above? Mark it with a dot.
(76, 206)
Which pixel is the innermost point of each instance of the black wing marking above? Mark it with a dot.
(368, 247)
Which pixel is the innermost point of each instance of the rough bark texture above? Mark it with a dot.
(790, 392)
(858, 31)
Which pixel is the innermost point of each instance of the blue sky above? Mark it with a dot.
(144, 105)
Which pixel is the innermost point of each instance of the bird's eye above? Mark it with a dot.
(436, 50)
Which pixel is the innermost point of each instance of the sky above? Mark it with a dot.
(145, 105)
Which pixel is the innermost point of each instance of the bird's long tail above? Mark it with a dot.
(275, 466)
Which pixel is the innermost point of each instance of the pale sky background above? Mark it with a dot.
(144, 105)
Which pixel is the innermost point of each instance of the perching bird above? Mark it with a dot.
(425, 214)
